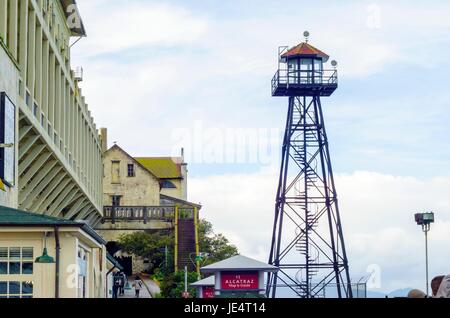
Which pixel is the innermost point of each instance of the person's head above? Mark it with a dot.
(137, 277)
(436, 283)
(415, 293)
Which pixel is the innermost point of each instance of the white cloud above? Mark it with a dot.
(119, 25)
(377, 212)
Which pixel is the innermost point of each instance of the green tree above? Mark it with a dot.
(217, 246)
(151, 246)
(173, 285)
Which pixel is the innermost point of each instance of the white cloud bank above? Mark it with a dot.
(377, 212)
(131, 24)
(150, 60)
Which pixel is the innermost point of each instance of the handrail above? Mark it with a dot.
(304, 78)
(144, 213)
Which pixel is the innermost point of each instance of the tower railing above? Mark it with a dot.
(283, 79)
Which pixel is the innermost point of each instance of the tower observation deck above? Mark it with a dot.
(300, 73)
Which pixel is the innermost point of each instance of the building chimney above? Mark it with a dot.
(104, 139)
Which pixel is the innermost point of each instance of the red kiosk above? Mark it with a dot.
(236, 276)
(206, 287)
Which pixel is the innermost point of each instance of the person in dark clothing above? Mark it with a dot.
(115, 289)
(118, 282)
(123, 280)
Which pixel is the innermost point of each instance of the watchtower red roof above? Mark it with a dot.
(305, 49)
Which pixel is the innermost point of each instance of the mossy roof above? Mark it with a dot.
(163, 167)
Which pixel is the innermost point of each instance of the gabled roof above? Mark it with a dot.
(131, 158)
(13, 217)
(239, 263)
(162, 167)
(305, 49)
(210, 281)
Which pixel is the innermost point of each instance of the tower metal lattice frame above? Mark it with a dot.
(308, 243)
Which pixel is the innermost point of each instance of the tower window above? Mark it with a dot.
(131, 171)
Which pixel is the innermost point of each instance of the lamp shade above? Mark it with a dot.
(425, 218)
(428, 217)
(45, 258)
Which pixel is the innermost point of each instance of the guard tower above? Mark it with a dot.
(308, 241)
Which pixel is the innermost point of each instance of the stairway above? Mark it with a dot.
(311, 254)
(186, 244)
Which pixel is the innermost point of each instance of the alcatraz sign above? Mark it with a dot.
(240, 280)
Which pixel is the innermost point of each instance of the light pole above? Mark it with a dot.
(425, 220)
(198, 260)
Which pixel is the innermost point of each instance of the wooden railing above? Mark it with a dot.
(145, 214)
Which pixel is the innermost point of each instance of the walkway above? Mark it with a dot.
(152, 286)
(130, 293)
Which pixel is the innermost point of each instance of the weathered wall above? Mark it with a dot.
(112, 232)
(181, 186)
(141, 190)
(175, 193)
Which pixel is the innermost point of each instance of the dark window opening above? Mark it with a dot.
(131, 171)
(116, 200)
(166, 184)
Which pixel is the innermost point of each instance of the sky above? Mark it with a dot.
(166, 75)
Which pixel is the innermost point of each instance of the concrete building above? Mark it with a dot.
(50, 158)
(79, 268)
(135, 198)
(57, 151)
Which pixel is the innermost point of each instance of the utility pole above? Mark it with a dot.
(185, 279)
(166, 257)
(425, 220)
(186, 293)
(426, 261)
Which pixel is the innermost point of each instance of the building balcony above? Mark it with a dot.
(145, 214)
(304, 83)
